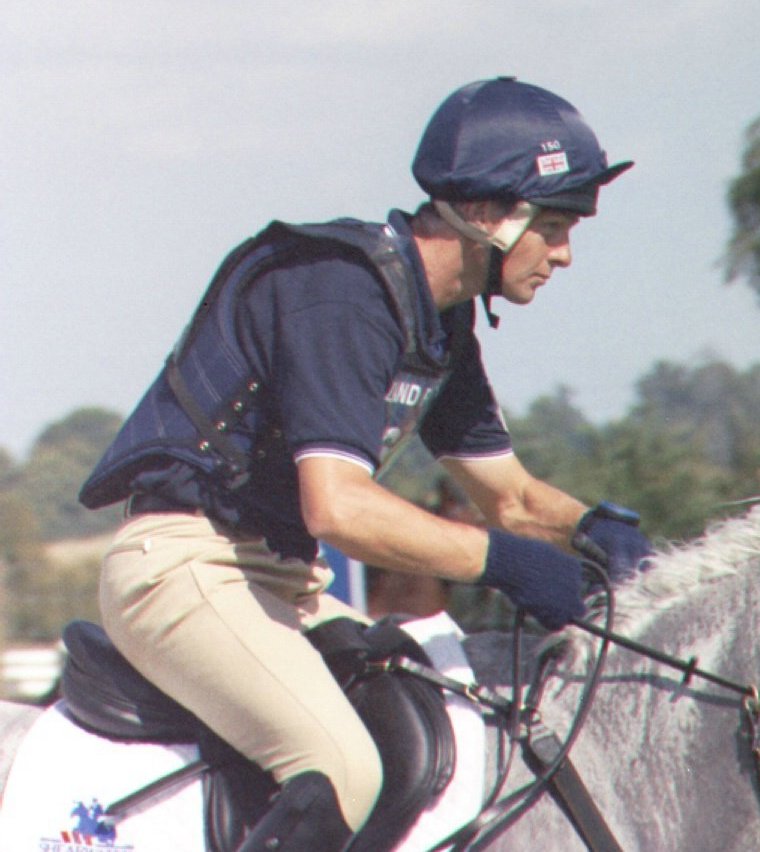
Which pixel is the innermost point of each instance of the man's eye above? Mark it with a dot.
(551, 227)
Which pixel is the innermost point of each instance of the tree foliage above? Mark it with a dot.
(38, 503)
(743, 254)
(46, 597)
(60, 460)
(686, 453)
(557, 443)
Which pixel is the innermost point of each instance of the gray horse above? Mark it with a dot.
(668, 764)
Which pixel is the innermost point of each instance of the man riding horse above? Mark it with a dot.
(315, 353)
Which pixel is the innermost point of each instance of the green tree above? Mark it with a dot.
(7, 467)
(747, 436)
(662, 472)
(715, 409)
(86, 432)
(20, 539)
(45, 597)
(743, 253)
(38, 500)
(21, 550)
(688, 449)
(557, 443)
(60, 460)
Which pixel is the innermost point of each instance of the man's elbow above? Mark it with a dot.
(332, 517)
(322, 522)
(333, 499)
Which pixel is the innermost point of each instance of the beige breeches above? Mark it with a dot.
(217, 624)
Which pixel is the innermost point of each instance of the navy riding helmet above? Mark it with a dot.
(506, 140)
(516, 143)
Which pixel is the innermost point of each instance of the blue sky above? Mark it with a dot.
(142, 140)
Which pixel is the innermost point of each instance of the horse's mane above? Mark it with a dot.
(678, 569)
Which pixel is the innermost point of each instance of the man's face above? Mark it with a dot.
(544, 246)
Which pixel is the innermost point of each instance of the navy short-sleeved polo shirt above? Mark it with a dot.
(321, 333)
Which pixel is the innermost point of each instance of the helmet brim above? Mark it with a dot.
(582, 199)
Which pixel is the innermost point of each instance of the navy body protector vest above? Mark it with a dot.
(208, 410)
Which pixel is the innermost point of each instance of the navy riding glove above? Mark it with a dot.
(614, 531)
(536, 576)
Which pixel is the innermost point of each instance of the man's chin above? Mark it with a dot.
(520, 298)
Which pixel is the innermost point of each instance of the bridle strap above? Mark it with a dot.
(473, 691)
(689, 667)
(568, 790)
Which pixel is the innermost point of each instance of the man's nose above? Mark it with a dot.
(561, 255)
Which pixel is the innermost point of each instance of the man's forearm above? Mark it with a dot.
(545, 513)
(512, 499)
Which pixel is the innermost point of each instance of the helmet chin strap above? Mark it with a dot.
(493, 284)
(512, 227)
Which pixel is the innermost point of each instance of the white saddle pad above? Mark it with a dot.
(63, 777)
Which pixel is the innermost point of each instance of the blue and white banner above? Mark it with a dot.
(349, 585)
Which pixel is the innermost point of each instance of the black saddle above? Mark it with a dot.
(405, 715)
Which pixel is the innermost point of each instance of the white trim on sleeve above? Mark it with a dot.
(332, 452)
(479, 457)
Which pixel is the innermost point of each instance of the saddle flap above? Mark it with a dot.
(236, 794)
(406, 717)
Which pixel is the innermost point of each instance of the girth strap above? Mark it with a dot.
(569, 791)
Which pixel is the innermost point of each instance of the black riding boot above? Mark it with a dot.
(304, 817)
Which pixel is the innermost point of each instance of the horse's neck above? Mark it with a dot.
(702, 600)
(652, 744)
(715, 625)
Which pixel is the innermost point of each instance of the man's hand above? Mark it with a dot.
(613, 530)
(535, 576)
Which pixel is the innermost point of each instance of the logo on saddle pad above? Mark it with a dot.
(89, 832)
